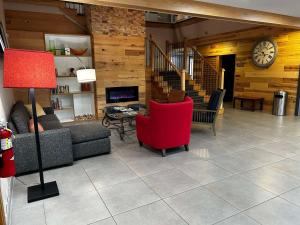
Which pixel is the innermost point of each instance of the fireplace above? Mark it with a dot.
(122, 94)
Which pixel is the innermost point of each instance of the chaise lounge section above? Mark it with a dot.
(60, 145)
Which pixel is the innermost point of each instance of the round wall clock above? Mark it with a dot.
(264, 53)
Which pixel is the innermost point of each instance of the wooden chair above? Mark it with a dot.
(176, 96)
(209, 115)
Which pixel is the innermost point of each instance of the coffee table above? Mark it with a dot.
(116, 117)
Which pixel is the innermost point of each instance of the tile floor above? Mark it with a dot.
(248, 175)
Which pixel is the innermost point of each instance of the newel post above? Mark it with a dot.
(183, 73)
(221, 86)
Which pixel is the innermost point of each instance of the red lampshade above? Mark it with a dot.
(28, 69)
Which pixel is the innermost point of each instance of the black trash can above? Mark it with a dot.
(280, 103)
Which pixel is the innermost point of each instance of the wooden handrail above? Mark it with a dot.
(166, 57)
(204, 59)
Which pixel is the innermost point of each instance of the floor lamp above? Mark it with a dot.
(32, 69)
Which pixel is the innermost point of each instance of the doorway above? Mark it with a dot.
(228, 63)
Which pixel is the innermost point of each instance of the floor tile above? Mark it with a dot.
(238, 219)
(292, 196)
(201, 207)
(246, 160)
(108, 221)
(272, 179)
(182, 157)
(292, 167)
(275, 212)
(149, 166)
(126, 196)
(204, 172)
(108, 171)
(31, 215)
(170, 182)
(157, 213)
(239, 192)
(282, 148)
(75, 210)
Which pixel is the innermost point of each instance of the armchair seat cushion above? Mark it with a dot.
(88, 131)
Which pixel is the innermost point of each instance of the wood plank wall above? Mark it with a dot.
(119, 50)
(119, 61)
(26, 31)
(251, 80)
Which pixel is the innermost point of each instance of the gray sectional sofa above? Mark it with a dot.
(60, 144)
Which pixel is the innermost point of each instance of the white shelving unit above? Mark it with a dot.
(75, 102)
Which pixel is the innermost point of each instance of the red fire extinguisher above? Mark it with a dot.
(7, 161)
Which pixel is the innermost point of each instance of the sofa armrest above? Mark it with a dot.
(48, 110)
(56, 149)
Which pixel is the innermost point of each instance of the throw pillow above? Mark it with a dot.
(31, 126)
(20, 117)
(39, 110)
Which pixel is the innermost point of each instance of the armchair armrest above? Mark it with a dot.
(205, 110)
(142, 128)
(48, 110)
(56, 149)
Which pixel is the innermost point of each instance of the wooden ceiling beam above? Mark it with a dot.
(203, 10)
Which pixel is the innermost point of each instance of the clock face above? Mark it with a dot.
(264, 53)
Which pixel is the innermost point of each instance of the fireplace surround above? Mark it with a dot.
(122, 94)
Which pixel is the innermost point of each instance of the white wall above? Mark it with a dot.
(160, 35)
(208, 28)
(196, 30)
(6, 102)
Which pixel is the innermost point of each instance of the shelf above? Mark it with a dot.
(73, 56)
(74, 93)
(64, 109)
(66, 77)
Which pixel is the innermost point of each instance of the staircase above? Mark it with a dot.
(168, 72)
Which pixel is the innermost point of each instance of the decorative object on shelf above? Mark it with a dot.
(85, 117)
(67, 51)
(86, 87)
(61, 89)
(264, 53)
(72, 72)
(78, 52)
(32, 69)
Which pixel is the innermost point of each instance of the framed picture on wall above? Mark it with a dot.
(3, 40)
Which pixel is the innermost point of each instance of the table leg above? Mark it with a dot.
(234, 102)
(122, 129)
(242, 103)
(261, 105)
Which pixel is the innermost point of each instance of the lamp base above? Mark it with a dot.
(36, 193)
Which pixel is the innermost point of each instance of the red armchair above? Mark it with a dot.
(167, 126)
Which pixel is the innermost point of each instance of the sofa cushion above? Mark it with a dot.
(20, 117)
(88, 131)
(49, 122)
(39, 110)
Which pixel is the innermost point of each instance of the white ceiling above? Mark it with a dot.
(285, 7)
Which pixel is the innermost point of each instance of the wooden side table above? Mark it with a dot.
(253, 101)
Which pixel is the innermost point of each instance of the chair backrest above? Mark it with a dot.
(171, 121)
(216, 99)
